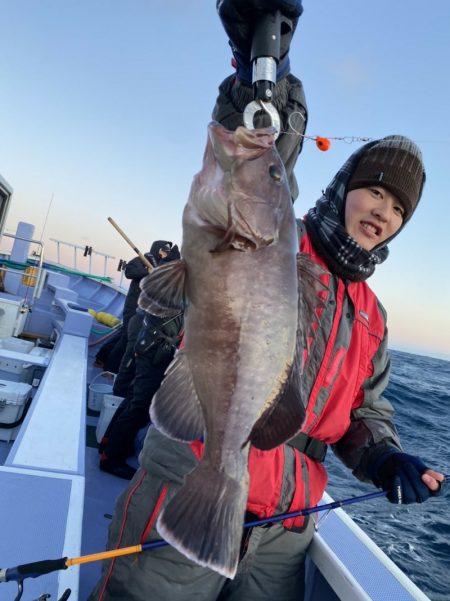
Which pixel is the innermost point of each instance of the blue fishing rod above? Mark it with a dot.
(39, 568)
(301, 512)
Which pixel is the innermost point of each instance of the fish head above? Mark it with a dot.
(242, 192)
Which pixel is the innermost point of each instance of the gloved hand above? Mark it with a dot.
(238, 19)
(400, 475)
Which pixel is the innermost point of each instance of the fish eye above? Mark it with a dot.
(275, 173)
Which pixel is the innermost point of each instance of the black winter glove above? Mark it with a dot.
(400, 475)
(239, 16)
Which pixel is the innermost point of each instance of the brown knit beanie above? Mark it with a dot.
(395, 163)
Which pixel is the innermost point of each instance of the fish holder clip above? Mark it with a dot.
(265, 55)
(260, 105)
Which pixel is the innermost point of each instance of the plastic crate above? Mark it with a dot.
(20, 369)
(10, 343)
(13, 396)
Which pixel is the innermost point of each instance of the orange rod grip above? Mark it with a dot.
(104, 555)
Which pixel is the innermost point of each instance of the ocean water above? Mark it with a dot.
(416, 537)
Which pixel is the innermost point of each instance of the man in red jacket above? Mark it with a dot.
(365, 206)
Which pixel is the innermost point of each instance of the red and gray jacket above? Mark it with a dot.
(347, 365)
(346, 370)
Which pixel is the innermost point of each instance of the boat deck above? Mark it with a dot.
(101, 492)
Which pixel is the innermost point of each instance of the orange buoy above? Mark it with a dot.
(323, 143)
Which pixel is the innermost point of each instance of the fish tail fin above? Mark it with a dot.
(205, 517)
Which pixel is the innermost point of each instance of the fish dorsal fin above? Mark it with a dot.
(175, 409)
(163, 289)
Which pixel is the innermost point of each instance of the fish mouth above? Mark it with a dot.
(261, 138)
(242, 143)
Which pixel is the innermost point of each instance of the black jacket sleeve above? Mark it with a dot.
(135, 269)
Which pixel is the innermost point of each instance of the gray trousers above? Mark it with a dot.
(272, 567)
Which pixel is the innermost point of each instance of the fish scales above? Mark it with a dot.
(236, 381)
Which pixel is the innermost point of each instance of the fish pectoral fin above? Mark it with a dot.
(163, 289)
(283, 419)
(175, 409)
(248, 228)
(227, 240)
(230, 237)
(204, 519)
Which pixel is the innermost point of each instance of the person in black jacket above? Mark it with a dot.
(160, 252)
(135, 270)
(152, 342)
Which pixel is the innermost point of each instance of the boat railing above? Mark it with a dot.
(80, 252)
(88, 251)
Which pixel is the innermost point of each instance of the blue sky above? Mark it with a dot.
(104, 108)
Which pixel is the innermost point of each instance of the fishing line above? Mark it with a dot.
(323, 143)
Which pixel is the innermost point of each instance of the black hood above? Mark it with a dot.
(157, 245)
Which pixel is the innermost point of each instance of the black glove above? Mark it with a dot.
(400, 475)
(239, 16)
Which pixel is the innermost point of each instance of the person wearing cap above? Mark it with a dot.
(345, 372)
(346, 369)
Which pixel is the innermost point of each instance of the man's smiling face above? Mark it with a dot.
(372, 215)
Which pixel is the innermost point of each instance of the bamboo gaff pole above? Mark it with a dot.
(142, 257)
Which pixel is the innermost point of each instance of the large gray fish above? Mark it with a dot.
(237, 380)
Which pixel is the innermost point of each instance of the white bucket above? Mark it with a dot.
(97, 391)
(110, 405)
